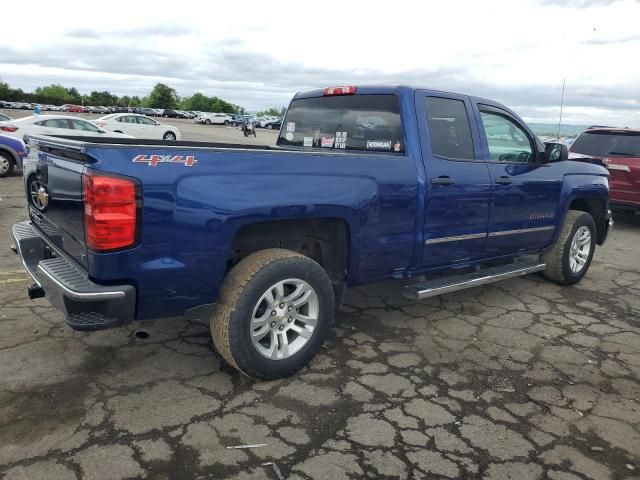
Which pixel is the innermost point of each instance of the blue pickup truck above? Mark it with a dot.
(364, 184)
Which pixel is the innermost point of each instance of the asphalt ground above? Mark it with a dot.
(522, 379)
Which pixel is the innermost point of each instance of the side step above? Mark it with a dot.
(439, 286)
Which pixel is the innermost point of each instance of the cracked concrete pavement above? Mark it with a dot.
(520, 380)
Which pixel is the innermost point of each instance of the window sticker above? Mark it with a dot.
(307, 141)
(289, 136)
(397, 146)
(378, 144)
(341, 140)
(327, 142)
(291, 127)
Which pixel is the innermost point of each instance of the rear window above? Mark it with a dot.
(608, 144)
(349, 122)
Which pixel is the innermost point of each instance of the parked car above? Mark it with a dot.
(262, 121)
(12, 151)
(271, 237)
(74, 108)
(4, 118)
(148, 111)
(54, 125)
(273, 124)
(4, 104)
(619, 150)
(170, 113)
(215, 119)
(237, 120)
(139, 126)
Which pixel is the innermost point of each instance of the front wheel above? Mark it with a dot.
(569, 259)
(170, 136)
(269, 127)
(207, 122)
(226, 122)
(274, 311)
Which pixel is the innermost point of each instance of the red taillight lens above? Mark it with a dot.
(342, 90)
(109, 211)
(8, 128)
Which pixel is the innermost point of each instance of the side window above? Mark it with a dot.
(57, 123)
(86, 126)
(507, 141)
(145, 121)
(449, 128)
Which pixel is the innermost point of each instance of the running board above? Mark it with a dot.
(439, 286)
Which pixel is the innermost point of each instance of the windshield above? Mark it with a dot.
(347, 122)
(608, 144)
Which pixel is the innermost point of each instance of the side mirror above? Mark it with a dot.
(555, 152)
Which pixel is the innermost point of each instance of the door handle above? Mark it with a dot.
(443, 181)
(503, 180)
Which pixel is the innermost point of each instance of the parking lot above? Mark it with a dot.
(519, 380)
(189, 129)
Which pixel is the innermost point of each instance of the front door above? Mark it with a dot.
(458, 188)
(526, 192)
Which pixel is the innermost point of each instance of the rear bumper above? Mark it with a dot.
(86, 304)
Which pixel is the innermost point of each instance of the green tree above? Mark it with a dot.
(54, 93)
(272, 112)
(162, 96)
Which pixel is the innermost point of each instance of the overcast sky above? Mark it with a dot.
(259, 54)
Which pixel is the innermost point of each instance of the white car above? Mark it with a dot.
(139, 126)
(54, 125)
(262, 121)
(215, 119)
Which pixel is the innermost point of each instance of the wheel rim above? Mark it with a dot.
(34, 190)
(580, 249)
(169, 136)
(4, 165)
(284, 319)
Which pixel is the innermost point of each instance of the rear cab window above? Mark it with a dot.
(368, 123)
(608, 143)
(449, 128)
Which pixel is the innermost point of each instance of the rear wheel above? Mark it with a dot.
(207, 122)
(269, 127)
(170, 136)
(226, 122)
(569, 259)
(6, 164)
(274, 311)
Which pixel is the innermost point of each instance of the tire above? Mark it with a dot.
(269, 127)
(246, 134)
(169, 136)
(226, 122)
(242, 308)
(7, 163)
(558, 260)
(207, 122)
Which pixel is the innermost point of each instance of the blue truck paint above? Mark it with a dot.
(398, 222)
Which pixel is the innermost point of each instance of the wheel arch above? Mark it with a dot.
(597, 208)
(326, 240)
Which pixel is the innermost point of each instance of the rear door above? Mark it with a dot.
(525, 192)
(148, 128)
(83, 128)
(458, 190)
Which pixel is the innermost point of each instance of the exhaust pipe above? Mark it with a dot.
(35, 291)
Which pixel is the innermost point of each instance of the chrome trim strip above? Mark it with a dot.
(455, 238)
(475, 282)
(81, 295)
(521, 230)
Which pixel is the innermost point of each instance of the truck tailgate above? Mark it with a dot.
(53, 180)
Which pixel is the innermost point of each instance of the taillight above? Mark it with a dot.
(109, 211)
(342, 90)
(8, 128)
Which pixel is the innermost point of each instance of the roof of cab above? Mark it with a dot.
(396, 89)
